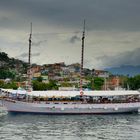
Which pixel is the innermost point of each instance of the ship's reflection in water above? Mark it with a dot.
(85, 127)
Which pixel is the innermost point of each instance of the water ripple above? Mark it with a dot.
(84, 127)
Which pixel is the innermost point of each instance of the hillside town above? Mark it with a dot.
(67, 76)
(59, 76)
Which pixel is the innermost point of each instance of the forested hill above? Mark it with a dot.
(10, 67)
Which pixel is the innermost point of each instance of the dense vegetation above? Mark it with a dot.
(7, 74)
(11, 85)
(38, 85)
(132, 83)
(10, 67)
(96, 83)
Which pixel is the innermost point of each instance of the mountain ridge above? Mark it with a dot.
(128, 70)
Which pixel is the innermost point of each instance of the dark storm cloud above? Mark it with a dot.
(74, 38)
(125, 58)
(100, 14)
(119, 17)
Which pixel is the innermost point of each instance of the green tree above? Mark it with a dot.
(3, 56)
(52, 85)
(6, 74)
(133, 82)
(39, 79)
(66, 84)
(44, 86)
(39, 85)
(11, 85)
(96, 83)
(1, 84)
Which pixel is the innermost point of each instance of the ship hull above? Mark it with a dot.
(69, 109)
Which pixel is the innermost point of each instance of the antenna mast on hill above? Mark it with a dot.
(82, 59)
(29, 59)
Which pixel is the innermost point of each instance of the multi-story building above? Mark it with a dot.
(101, 73)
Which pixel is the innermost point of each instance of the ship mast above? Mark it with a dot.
(82, 59)
(29, 59)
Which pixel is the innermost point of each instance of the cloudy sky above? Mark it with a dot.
(112, 31)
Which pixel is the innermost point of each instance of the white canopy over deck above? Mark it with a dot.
(73, 93)
(86, 93)
(14, 91)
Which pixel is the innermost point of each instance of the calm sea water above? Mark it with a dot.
(80, 127)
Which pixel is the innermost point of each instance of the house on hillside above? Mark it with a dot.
(101, 73)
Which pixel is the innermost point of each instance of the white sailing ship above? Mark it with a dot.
(70, 102)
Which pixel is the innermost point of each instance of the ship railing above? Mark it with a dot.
(87, 101)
